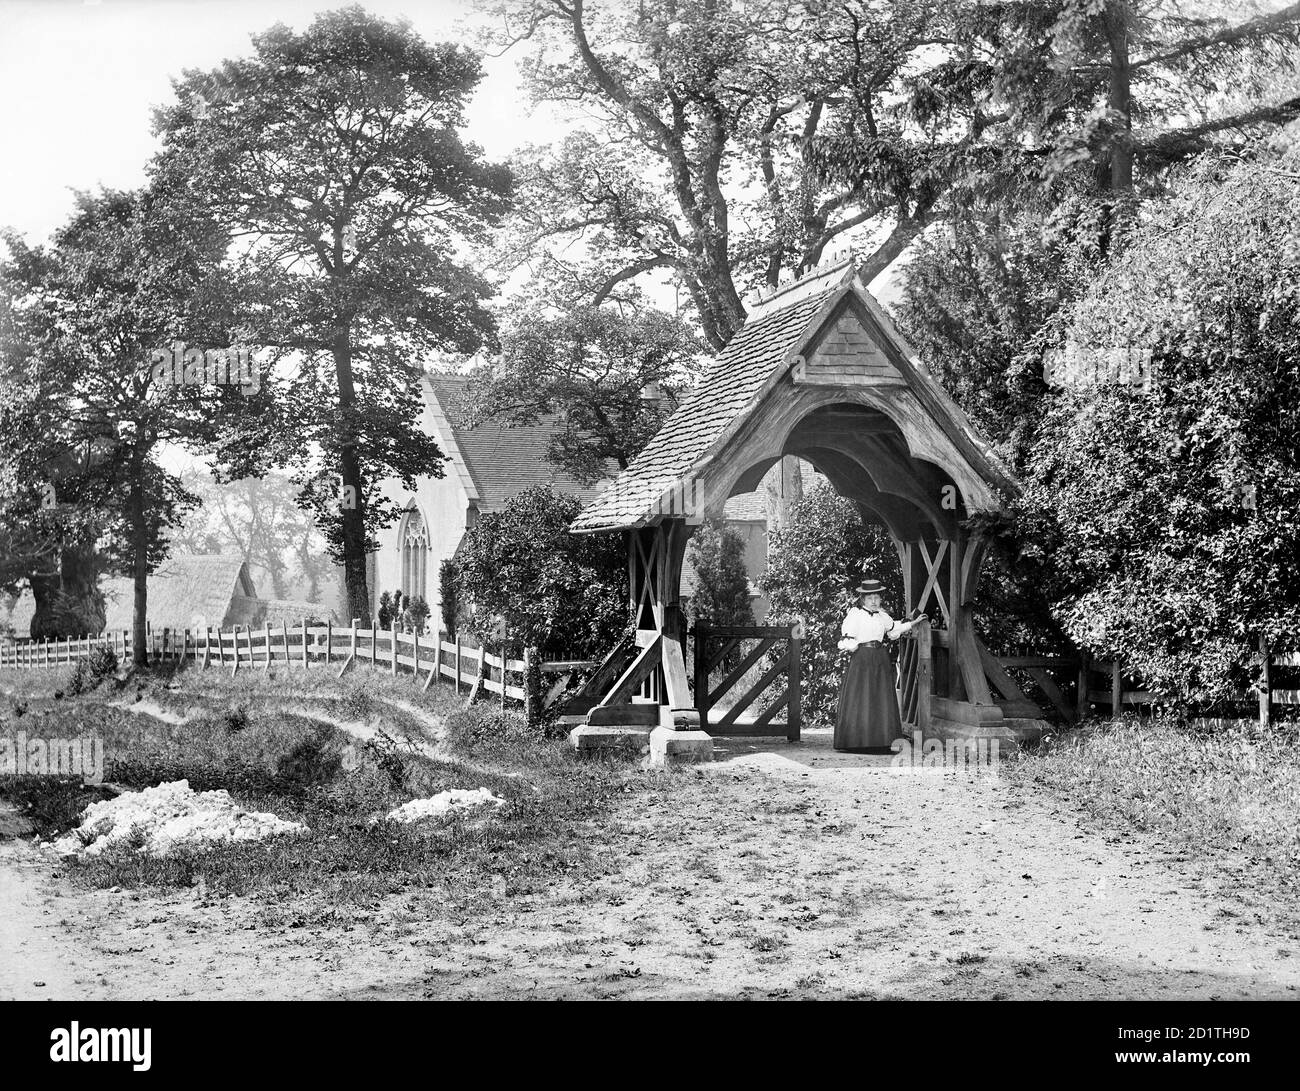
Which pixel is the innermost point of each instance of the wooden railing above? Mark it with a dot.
(460, 660)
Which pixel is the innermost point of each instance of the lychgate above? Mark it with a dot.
(818, 371)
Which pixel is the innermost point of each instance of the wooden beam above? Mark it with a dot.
(635, 674)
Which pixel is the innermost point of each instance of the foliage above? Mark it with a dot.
(124, 279)
(610, 378)
(259, 519)
(813, 564)
(1163, 523)
(767, 95)
(336, 155)
(386, 609)
(721, 595)
(528, 579)
(449, 595)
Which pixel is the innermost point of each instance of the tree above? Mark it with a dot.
(1162, 523)
(609, 378)
(127, 276)
(449, 596)
(721, 596)
(1100, 101)
(1123, 85)
(733, 142)
(335, 157)
(527, 578)
(259, 519)
(812, 566)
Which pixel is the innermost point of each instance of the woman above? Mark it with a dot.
(867, 715)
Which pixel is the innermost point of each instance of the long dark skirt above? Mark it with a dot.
(867, 715)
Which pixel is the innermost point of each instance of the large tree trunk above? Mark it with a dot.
(139, 567)
(1121, 96)
(352, 502)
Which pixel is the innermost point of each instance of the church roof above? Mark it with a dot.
(496, 461)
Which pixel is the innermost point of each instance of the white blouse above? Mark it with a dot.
(862, 624)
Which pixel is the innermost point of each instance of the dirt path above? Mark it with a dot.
(764, 876)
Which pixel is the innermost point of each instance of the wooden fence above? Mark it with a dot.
(461, 660)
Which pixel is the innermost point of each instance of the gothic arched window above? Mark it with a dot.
(415, 556)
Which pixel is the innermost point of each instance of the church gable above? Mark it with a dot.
(845, 354)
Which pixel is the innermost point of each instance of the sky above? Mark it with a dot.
(78, 81)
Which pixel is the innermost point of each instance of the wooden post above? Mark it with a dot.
(304, 644)
(1265, 694)
(284, 635)
(794, 704)
(1116, 690)
(329, 638)
(266, 644)
(415, 673)
(924, 677)
(356, 624)
(235, 635)
(221, 649)
(702, 675)
(393, 657)
(207, 645)
(374, 642)
(530, 690)
(503, 675)
(1082, 699)
(458, 664)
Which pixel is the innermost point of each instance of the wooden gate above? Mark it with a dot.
(915, 678)
(752, 712)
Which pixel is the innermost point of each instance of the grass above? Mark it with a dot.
(1226, 794)
(282, 744)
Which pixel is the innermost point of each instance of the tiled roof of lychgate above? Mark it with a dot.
(501, 460)
(731, 389)
(737, 375)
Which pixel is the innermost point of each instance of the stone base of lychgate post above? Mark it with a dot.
(676, 742)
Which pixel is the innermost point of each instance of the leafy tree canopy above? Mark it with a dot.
(1165, 520)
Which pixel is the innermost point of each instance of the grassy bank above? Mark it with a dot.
(1227, 795)
(336, 755)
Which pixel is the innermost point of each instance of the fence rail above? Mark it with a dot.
(459, 660)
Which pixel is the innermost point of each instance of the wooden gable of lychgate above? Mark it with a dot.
(845, 352)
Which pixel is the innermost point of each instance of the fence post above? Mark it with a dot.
(393, 657)
(1116, 690)
(374, 642)
(458, 664)
(502, 649)
(1081, 700)
(235, 641)
(415, 671)
(1265, 694)
(356, 624)
(329, 639)
(532, 687)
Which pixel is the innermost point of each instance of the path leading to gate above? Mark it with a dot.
(778, 871)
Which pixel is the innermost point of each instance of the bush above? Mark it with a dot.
(449, 596)
(721, 595)
(1166, 523)
(563, 593)
(812, 565)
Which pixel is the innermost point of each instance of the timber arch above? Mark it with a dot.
(817, 371)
